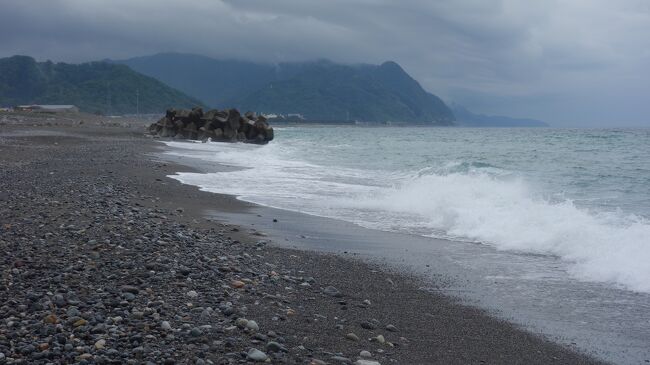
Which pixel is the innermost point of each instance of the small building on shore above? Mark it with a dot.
(48, 108)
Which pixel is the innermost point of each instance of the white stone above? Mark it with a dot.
(366, 362)
(166, 326)
(252, 325)
(100, 344)
(257, 355)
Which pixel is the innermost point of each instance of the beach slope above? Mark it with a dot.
(106, 260)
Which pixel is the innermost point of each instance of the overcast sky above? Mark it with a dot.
(568, 62)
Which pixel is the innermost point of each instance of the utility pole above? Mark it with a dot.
(108, 98)
(137, 103)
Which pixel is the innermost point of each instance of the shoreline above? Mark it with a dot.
(284, 290)
(538, 293)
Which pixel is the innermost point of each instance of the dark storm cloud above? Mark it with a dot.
(569, 62)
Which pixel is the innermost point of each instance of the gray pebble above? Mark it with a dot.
(252, 325)
(391, 328)
(351, 336)
(332, 291)
(73, 312)
(166, 326)
(59, 300)
(273, 346)
(129, 289)
(256, 355)
(366, 362)
(342, 359)
(27, 349)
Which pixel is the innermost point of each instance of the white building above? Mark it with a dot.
(48, 108)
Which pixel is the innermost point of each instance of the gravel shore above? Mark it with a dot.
(105, 260)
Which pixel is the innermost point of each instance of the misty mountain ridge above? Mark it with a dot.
(319, 90)
(94, 87)
(466, 118)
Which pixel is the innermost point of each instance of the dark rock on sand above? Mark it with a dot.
(215, 125)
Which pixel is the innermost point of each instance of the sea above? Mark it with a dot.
(562, 216)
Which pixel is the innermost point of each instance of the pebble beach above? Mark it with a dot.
(106, 260)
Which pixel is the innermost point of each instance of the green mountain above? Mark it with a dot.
(319, 90)
(217, 83)
(468, 119)
(332, 92)
(95, 87)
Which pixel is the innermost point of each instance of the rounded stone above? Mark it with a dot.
(99, 345)
(332, 291)
(351, 336)
(241, 322)
(256, 355)
(252, 325)
(273, 346)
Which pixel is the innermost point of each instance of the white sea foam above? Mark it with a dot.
(461, 201)
(508, 215)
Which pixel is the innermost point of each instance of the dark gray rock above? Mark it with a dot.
(332, 292)
(226, 126)
(273, 346)
(129, 289)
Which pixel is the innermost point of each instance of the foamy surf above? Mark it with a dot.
(452, 198)
(506, 214)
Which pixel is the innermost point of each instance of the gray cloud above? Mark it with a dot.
(569, 62)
